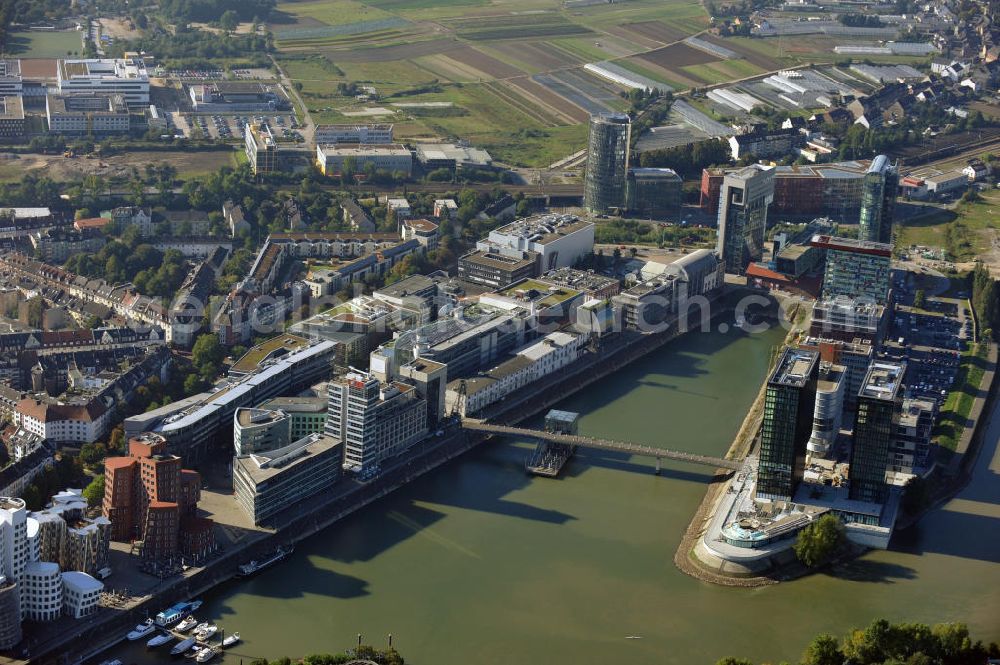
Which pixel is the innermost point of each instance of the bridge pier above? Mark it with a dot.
(658, 462)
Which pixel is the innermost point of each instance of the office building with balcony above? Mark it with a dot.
(608, 151)
(875, 423)
(744, 200)
(829, 409)
(878, 201)
(376, 421)
(857, 269)
(267, 483)
(789, 407)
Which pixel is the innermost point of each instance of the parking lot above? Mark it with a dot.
(226, 127)
(930, 338)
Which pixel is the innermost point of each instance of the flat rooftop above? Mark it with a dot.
(583, 280)
(501, 261)
(261, 467)
(883, 380)
(295, 404)
(364, 150)
(540, 293)
(251, 360)
(11, 108)
(794, 367)
(542, 229)
(852, 245)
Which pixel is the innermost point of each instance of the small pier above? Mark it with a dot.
(550, 457)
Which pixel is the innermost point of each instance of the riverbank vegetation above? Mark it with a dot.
(958, 405)
(820, 541)
(883, 643)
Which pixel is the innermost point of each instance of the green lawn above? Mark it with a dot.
(35, 44)
(964, 232)
(958, 405)
(333, 12)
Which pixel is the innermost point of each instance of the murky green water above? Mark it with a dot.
(477, 563)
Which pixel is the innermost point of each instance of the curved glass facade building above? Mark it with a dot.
(607, 162)
(878, 201)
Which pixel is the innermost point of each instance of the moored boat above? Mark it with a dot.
(207, 632)
(231, 640)
(183, 646)
(186, 624)
(159, 640)
(141, 631)
(255, 565)
(205, 655)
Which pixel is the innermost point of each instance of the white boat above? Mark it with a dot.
(205, 655)
(183, 646)
(159, 640)
(231, 640)
(112, 662)
(187, 624)
(201, 626)
(207, 632)
(141, 630)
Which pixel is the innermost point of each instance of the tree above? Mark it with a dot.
(207, 352)
(823, 650)
(819, 541)
(94, 492)
(229, 20)
(916, 495)
(117, 440)
(919, 299)
(93, 453)
(729, 660)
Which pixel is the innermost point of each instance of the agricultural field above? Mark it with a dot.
(37, 44)
(503, 73)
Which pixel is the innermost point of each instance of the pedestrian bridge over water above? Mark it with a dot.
(602, 444)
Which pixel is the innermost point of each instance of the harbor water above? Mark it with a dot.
(477, 562)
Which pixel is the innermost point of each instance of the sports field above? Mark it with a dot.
(40, 44)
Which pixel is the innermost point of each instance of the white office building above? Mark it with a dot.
(41, 591)
(121, 76)
(80, 594)
(560, 240)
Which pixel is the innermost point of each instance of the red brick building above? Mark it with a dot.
(151, 501)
